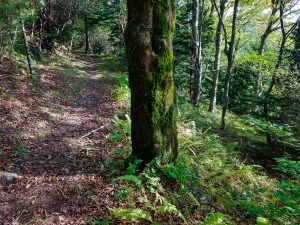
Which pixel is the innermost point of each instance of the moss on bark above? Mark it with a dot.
(149, 37)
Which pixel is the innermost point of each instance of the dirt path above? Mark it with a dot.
(41, 125)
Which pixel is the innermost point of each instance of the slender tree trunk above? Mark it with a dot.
(29, 60)
(272, 83)
(32, 31)
(1, 47)
(70, 47)
(12, 48)
(230, 57)
(273, 80)
(297, 38)
(285, 34)
(86, 29)
(149, 38)
(258, 87)
(296, 55)
(197, 18)
(214, 90)
(122, 21)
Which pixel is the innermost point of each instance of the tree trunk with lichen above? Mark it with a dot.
(149, 37)
(197, 17)
(26, 46)
(217, 62)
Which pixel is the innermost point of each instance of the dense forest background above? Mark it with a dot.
(94, 92)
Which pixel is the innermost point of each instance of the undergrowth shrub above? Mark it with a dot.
(282, 134)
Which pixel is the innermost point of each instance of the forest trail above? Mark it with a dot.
(42, 125)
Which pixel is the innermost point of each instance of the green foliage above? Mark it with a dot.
(282, 134)
(18, 150)
(133, 167)
(122, 91)
(149, 186)
(105, 221)
(168, 208)
(120, 136)
(123, 193)
(218, 219)
(130, 214)
(282, 206)
(135, 179)
(263, 221)
(288, 166)
(123, 125)
(179, 172)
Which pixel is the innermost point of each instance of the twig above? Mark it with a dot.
(93, 131)
(17, 219)
(2, 166)
(62, 193)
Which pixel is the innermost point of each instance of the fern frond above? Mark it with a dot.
(169, 208)
(130, 214)
(135, 179)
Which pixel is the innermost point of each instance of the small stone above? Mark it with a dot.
(9, 176)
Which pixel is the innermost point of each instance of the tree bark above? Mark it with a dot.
(230, 58)
(297, 38)
(86, 31)
(296, 55)
(197, 17)
(12, 48)
(214, 90)
(29, 60)
(149, 48)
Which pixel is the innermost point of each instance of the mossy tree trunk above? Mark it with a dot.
(149, 37)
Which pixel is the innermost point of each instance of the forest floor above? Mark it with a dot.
(62, 179)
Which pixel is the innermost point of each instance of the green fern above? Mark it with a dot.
(169, 208)
(263, 221)
(147, 202)
(218, 219)
(130, 214)
(135, 179)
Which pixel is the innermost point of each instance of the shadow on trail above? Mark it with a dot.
(40, 138)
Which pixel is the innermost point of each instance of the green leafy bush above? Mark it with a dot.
(288, 166)
(178, 172)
